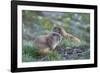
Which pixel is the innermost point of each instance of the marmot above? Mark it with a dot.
(65, 34)
(46, 42)
(49, 41)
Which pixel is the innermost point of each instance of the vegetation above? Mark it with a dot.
(36, 23)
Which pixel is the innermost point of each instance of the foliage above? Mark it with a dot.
(36, 23)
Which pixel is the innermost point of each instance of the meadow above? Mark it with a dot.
(36, 23)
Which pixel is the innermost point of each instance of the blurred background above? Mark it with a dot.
(37, 23)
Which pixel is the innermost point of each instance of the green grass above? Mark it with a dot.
(53, 55)
(29, 53)
(69, 43)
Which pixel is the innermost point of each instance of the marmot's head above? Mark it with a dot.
(56, 29)
(54, 39)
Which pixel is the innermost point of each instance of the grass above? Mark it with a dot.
(29, 53)
(69, 43)
(53, 55)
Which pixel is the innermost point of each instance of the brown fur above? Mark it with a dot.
(66, 35)
(46, 42)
